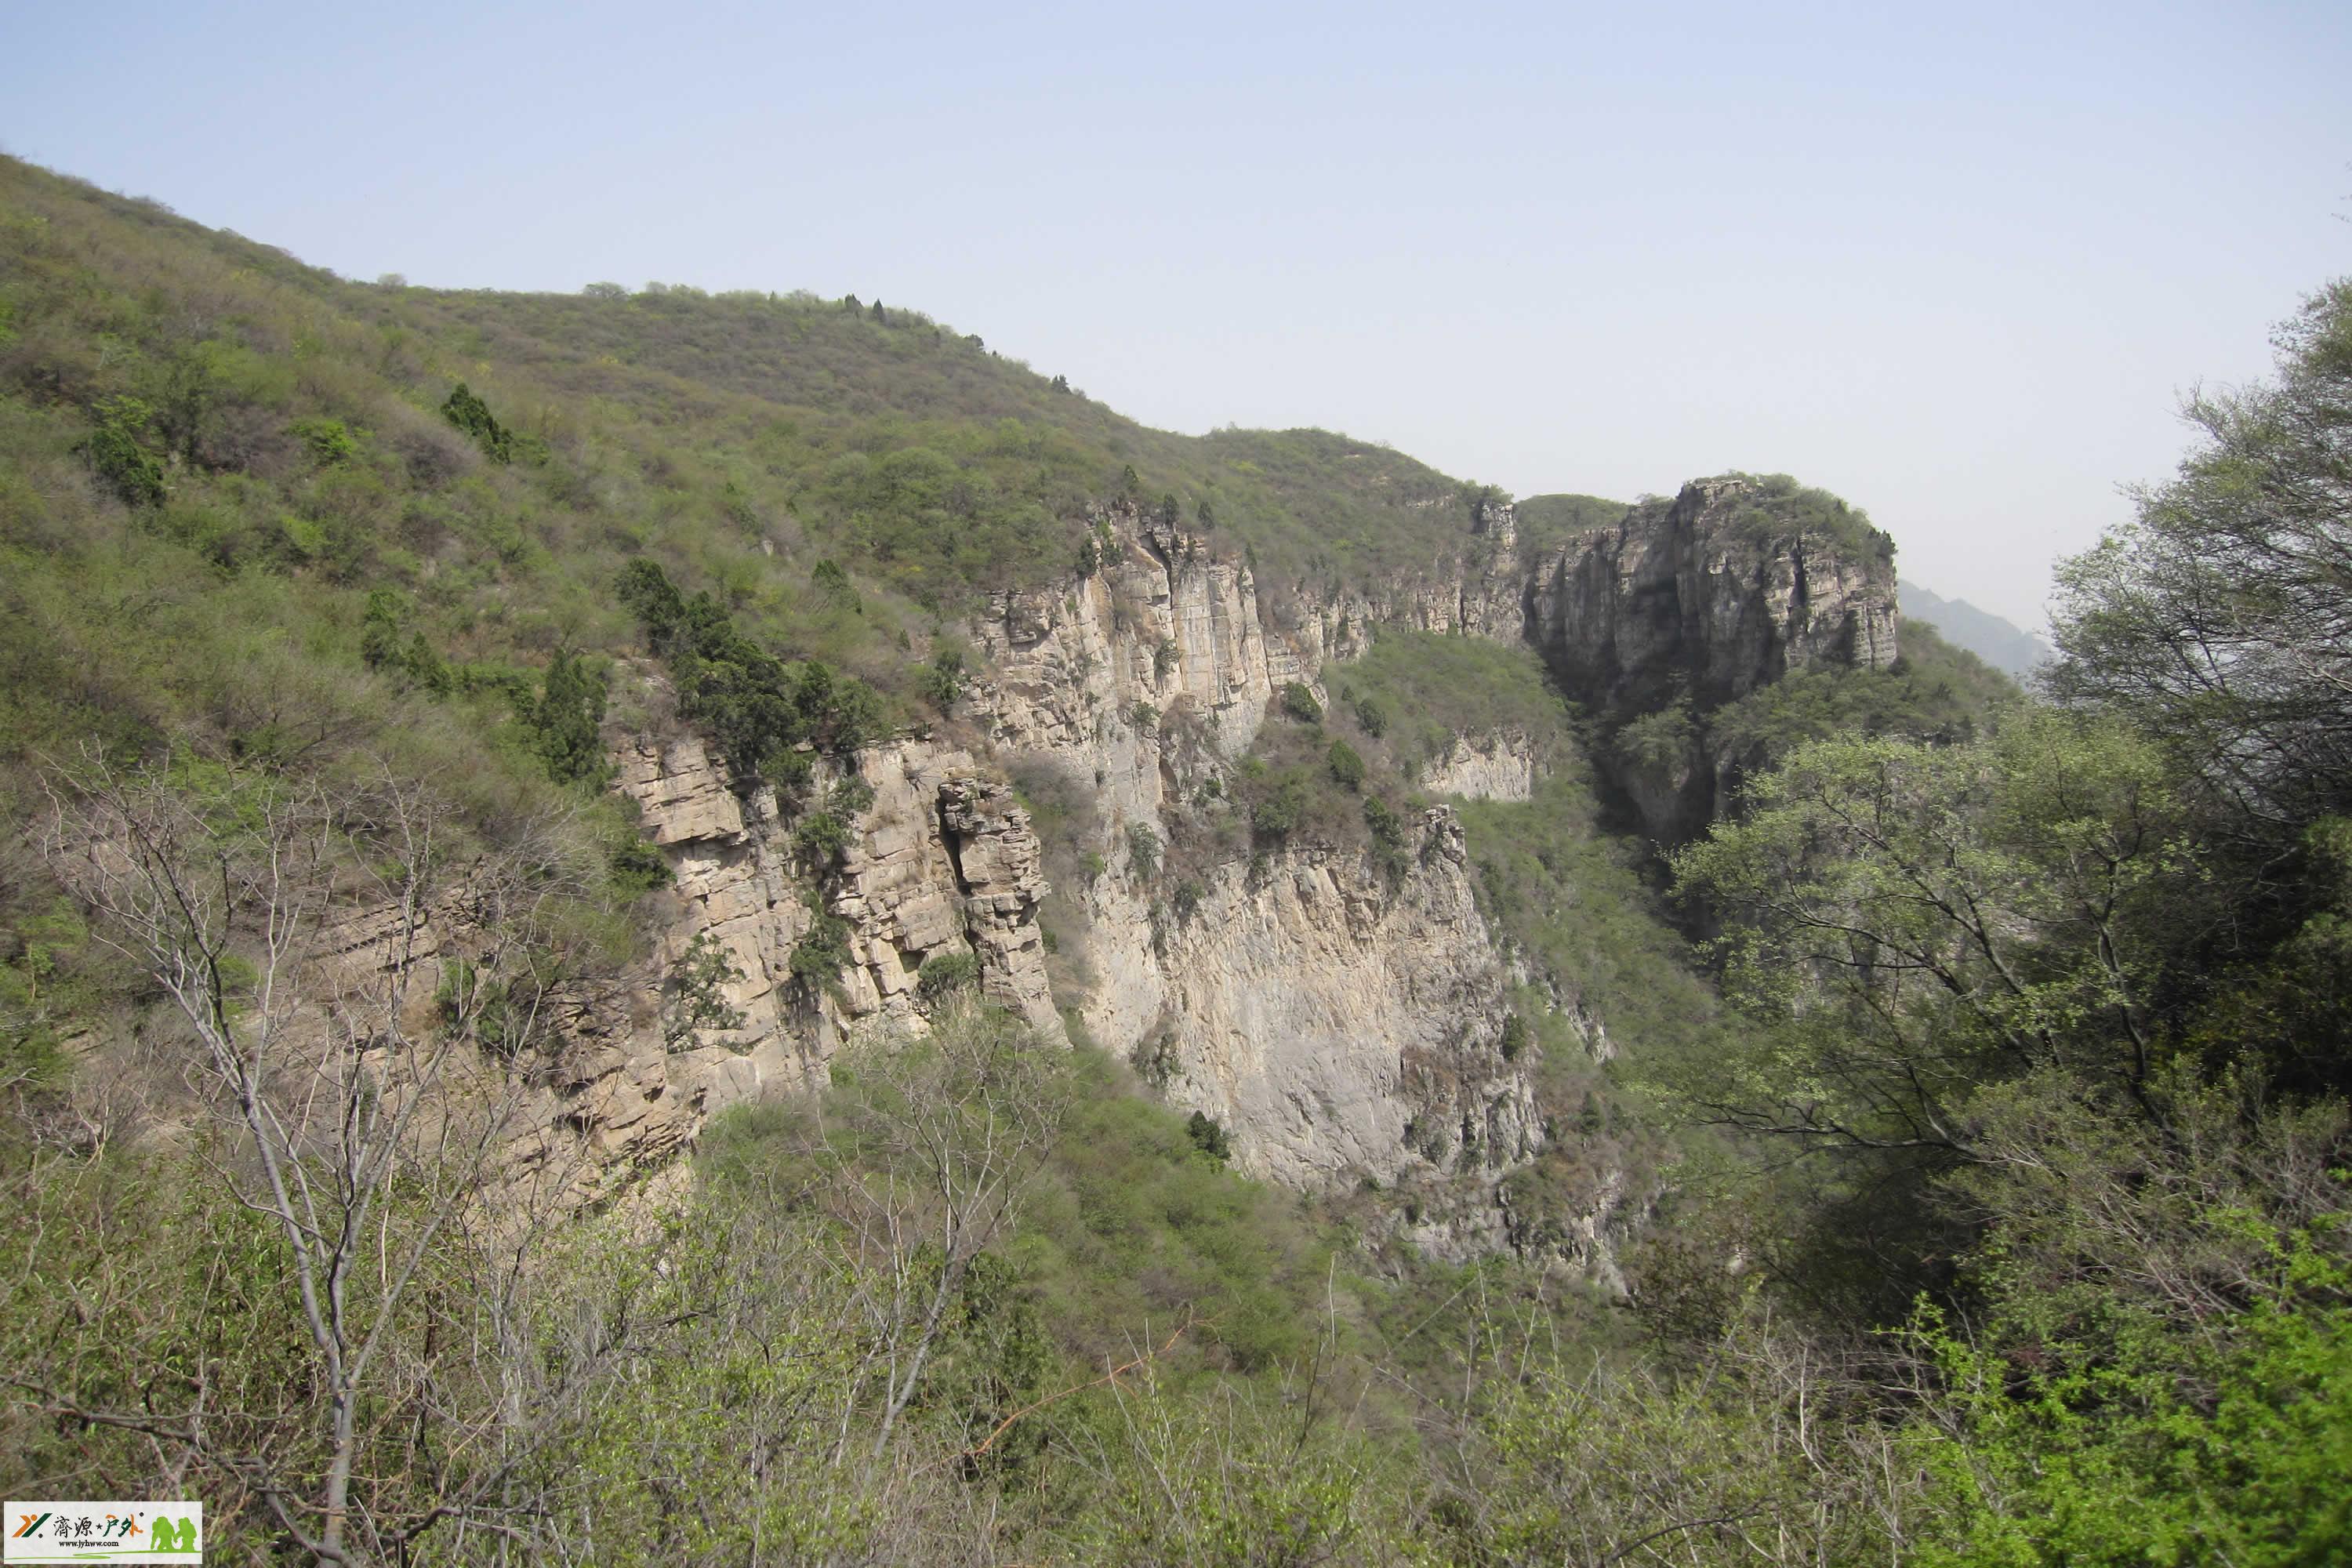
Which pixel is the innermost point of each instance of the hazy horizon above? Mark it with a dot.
(1958, 273)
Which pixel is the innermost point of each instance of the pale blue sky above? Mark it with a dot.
(1957, 264)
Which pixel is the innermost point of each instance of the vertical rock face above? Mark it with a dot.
(1162, 622)
(1481, 592)
(995, 860)
(1342, 1025)
(1342, 1021)
(941, 862)
(1705, 599)
(1681, 607)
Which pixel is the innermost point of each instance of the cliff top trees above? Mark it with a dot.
(755, 706)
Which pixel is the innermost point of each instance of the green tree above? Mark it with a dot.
(470, 414)
(1277, 815)
(943, 677)
(1907, 922)
(2220, 620)
(567, 719)
(695, 993)
(380, 629)
(958, 1121)
(117, 450)
(1142, 849)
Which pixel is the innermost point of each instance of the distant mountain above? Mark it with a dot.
(2001, 644)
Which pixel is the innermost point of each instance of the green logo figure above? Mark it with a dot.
(173, 1535)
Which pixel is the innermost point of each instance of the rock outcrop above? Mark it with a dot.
(1706, 598)
(1680, 608)
(940, 861)
(1499, 765)
(1346, 1022)
(1341, 1025)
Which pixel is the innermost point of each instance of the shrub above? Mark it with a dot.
(1278, 817)
(1299, 703)
(1347, 767)
(1209, 1137)
(757, 708)
(698, 994)
(822, 951)
(821, 839)
(1386, 828)
(1372, 717)
(1142, 849)
(635, 866)
(1660, 741)
(646, 591)
(329, 440)
(1514, 1038)
(565, 718)
(944, 974)
(117, 452)
(832, 585)
(380, 629)
(942, 678)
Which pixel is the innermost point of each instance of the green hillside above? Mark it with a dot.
(1989, 1154)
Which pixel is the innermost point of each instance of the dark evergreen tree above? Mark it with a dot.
(470, 414)
(567, 715)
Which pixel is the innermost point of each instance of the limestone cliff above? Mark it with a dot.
(1680, 608)
(1346, 1022)
(1340, 1023)
(941, 862)
(1344, 1026)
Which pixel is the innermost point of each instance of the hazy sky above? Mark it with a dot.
(1956, 266)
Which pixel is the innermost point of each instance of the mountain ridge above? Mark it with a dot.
(2006, 645)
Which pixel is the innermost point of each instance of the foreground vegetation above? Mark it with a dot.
(2007, 1221)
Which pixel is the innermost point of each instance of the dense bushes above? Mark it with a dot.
(758, 709)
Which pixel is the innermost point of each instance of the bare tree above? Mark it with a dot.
(350, 976)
